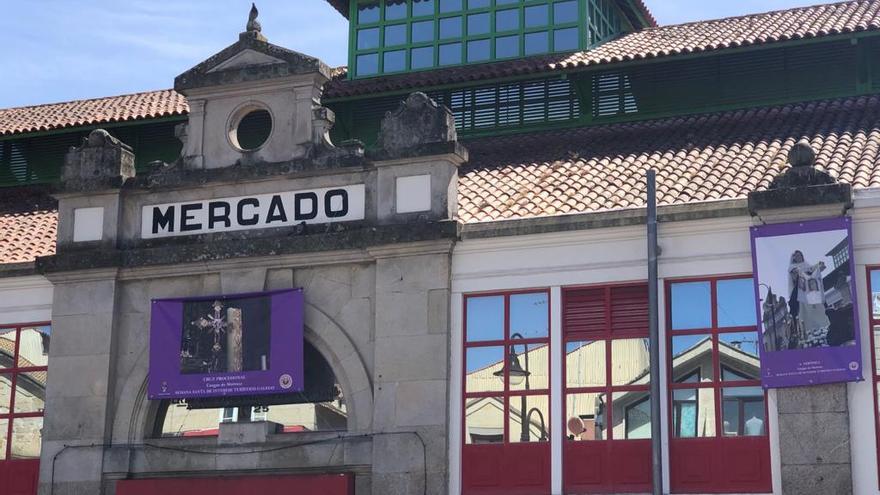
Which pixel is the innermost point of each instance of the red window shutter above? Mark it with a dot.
(629, 309)
(584, 311)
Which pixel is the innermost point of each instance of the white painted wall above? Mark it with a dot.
(25, 300)
(690, 249)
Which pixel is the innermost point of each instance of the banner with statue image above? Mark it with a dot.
(247, 344)
(807, 302)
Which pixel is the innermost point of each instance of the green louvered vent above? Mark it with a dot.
(874, 57)
(476, 110)
(733, 80)
(38, 160)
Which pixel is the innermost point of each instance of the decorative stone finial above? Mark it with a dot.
(253, 26)
(101, 162)
(802, 154)
(417, 122)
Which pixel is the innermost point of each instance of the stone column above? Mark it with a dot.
(79, 409)
(813, 422)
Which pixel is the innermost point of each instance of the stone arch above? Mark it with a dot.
(330, 340)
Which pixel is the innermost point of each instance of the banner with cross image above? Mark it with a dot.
(246, 344)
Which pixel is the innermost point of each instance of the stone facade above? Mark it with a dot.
(376, 291)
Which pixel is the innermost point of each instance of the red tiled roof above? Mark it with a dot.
(704, 36)
(28, 222)
(149, 105)
(698, 158)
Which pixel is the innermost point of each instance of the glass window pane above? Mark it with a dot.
(368, 64)
(450, 54)
(421, 58)
(739, 356)
(395, 9)
(692, 354)
(30, 392)
(4, 430)
(691, 305)
(743, 412)
(632, 415)
(450, 27)
(422, 31)
(478, 4)
(537, 15)
(536, 43)
(368, 13)
(7, 348)
(565, 39)
(585, 417)
(395, 35)
(534, 368)
(505, 2)
(585, 364)
(312, 416)
(630, 362)
(565, 12)
(875, 293)
(33, 348)
(450, 6)
(506, 20)
(478, 24)
(693, 413)
(422, 7)
(736, 303)
(507, 46)
(482, 364)
(530, 315)
(485, 315)
(484, 420)
(5, 392)
(478, 50)
(529, 418)
(26, 438)
(394, 61)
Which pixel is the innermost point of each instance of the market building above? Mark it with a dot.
(459, 217)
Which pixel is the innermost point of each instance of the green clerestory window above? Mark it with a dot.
(393, 36)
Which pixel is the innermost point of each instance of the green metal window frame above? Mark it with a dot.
(596, 21)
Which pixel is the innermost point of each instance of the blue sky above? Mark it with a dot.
(58, 50)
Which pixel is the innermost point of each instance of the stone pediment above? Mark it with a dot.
(251, 59)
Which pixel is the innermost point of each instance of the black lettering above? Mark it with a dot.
(215, 217)
(253, 220)
(298, 199)
(185, 217)
(163, 220)
(276, 211)
(328, 203)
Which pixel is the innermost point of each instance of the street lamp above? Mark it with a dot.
(517, 374)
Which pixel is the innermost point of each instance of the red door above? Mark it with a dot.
(19, 477)
(335, 484)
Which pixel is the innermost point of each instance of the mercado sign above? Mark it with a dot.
(806, 297)
(249, 344)
(261, 211)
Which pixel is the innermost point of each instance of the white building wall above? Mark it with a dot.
(25, 300)
(689, 249)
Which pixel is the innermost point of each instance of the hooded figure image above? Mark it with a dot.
(807, 294)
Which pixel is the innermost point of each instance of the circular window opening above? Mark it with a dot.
(253, 130)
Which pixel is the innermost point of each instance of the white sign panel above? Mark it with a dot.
(262, 211)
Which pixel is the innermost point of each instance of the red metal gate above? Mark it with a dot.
(335, 484)
(19, 477)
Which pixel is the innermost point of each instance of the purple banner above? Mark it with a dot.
(807, 302)
(246, 344)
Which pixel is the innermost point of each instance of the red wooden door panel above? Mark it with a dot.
(336, 484)
(19, 477)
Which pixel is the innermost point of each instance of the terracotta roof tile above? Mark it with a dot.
(149, 105)
(28, 221)
(703, 36)
(698, 158)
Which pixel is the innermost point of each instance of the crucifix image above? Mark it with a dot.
(226, 333)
